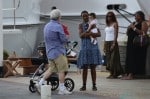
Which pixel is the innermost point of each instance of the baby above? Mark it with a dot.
(93, 26)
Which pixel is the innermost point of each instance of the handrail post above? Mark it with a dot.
(14, 4)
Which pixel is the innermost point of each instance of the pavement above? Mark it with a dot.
(16, 87)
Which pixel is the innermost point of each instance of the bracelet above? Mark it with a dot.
(134, 28)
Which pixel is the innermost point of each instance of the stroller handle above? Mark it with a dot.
(74, 43)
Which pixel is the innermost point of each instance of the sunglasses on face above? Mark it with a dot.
(109, 16)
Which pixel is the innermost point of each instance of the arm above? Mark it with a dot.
(62, 35)
(98, 34)
(127, 32)
(115, 32)
(91, 26)
(115, 35)
(148, 22)
(144, 28)
(83, 34)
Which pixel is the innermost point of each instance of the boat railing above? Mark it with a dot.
(14, 6)
(14, 30)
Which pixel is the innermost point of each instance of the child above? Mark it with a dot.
(93, 26)
(65, 28)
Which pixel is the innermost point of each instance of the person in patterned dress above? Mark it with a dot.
(89, 55)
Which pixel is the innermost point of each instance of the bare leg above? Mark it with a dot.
(45, 76)
(84, 79)
(93, 75)
(84, 76)
(61, 77)
(61, 80)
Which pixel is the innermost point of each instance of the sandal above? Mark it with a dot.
(83, 88)
(129, 77)
(94, 88)
(124, 77)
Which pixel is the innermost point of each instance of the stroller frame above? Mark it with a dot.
(53, 80)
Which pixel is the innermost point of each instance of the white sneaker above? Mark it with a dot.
(64, 92)
(38, 87)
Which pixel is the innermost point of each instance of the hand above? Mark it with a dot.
(88, 34)
(104, 49)
(67, 36)
(132, 26)
(112, 47)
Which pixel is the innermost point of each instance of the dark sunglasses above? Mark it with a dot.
(109, 16)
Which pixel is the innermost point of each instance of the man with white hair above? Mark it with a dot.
(65, 28)
(55, 39)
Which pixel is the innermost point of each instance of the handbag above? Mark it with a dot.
(141, 40)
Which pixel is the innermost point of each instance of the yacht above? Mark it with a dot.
(23, 20)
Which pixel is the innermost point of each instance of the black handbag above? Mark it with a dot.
(141, 40)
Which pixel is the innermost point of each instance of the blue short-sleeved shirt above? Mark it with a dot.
(55, 39)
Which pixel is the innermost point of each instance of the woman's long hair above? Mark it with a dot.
(113, 17)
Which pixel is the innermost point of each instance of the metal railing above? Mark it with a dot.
(14, 11)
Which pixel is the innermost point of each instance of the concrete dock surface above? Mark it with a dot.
(16, 87)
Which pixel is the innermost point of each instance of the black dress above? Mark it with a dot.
(135, 55)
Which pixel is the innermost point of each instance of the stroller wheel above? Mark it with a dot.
(32, 88)
(54, 82)
(69, 84)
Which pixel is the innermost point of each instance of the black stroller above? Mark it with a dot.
(53, 79)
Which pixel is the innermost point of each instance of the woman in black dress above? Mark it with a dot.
(135, 55)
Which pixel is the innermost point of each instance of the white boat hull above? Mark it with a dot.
(22, 42)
